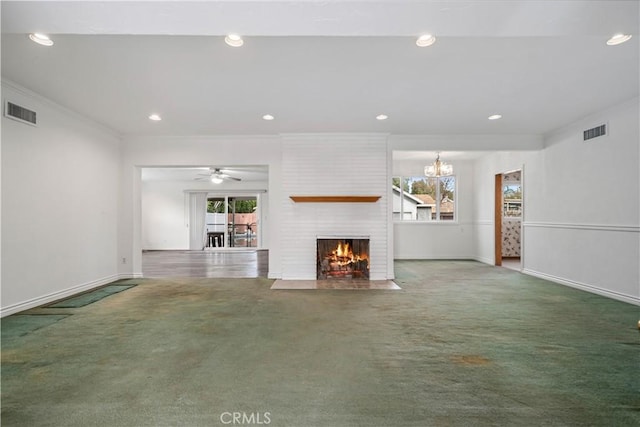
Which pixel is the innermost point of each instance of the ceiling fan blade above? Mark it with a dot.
(220, 173)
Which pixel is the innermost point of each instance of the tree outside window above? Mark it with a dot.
(512, 200)
(241, 206)
(424, 199)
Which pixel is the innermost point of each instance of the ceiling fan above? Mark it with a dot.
(217, 176)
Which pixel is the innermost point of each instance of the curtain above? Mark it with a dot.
(197, 220)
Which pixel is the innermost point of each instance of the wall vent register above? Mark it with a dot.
(21, 114)
(595, 132)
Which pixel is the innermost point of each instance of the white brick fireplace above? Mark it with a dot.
(333, 165)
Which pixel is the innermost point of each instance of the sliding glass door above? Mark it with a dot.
(233, 221)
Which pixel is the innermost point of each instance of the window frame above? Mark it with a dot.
(438, 219)
(506, 201)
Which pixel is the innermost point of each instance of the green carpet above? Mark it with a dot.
(91, 297)
(128, 282)
(462, 344)
(19, 325)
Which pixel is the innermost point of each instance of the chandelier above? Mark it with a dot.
(438, 168)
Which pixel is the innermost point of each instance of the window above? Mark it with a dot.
(235, 219)
(512, 200)
(420, 198)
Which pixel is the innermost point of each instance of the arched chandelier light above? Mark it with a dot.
(438, 168)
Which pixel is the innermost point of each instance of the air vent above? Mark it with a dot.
(595, 132)
(21, 114)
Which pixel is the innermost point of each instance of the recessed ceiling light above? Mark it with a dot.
(382, 117)
(268, 117)
(495, 117)
(155, 117)
(618, 39)
(425, 40)
(234, 40)
(42, 39)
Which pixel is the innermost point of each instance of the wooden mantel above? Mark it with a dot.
(335, 199)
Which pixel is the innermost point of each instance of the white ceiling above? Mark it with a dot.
(248, 174)
(326, 66)
(429, 157)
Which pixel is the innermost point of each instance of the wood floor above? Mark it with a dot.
(207, 263)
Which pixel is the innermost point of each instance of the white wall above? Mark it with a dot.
(165, 216)
(319, 165)
(485, 170)
(59, 204)
(581, 205)
(432, 239)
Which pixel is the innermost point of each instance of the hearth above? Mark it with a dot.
(342, 258)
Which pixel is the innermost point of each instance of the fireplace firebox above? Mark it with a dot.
(342, 258)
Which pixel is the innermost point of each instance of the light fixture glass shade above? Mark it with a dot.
(216, 179)
(234, 40)
(618, 39)
(42, 39)
(438, 168)
(425, 40)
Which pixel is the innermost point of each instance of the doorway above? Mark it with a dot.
(174, 223)
(508, 219)
(232, 221)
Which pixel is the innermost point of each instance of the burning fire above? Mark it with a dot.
(344, 255)
(343, 259)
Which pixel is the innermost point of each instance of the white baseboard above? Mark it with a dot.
(54, 296)
(483, 260)
(584, 287)
(432, 257)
